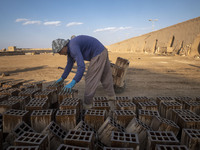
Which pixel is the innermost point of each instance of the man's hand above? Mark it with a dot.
(59, 80)
(69, 86)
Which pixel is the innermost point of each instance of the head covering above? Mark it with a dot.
(58, 44)
(73, 36)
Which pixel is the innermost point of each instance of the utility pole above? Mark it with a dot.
(153, 20)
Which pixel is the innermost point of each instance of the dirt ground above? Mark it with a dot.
(148, 75)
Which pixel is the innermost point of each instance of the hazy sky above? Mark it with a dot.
(35, 23)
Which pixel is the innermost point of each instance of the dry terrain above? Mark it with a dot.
(148, 75)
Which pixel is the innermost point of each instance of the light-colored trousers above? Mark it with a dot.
(99, 70)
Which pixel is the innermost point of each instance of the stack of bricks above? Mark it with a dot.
(33, 139)
(66, 94)
(146, 116)
(124, 140)
(49, 94)
(137, 126)
(162, 124)
(123, 117)
(55, 134)
(80, 138)
(95, 118)
(171, 147)
(161, 137)
(119, 70)
(186, 119)
(106, 129)
(67, 119)
(13, 117)
(191, 138)
(37, 104)
(167, 106)
(29, 92)
(23, 100)
(71, 103)
(70, 147)
(40, 119)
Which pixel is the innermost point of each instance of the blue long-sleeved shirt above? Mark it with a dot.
(79, 49)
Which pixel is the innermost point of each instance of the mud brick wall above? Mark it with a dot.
(55, 134)
(161, 137)
(191, 138)
(7, 105)
(124, 140)
(68, 147)
(66, 118)
(106, 129)
(146, 116)
(101, 106)
(95, 118)
(163, 124)
(80, 138)
(13, 117)
(23, 100)
(137, 126)
(40, 119)
(123, 117)
(167, 106)
(171, 147)
(33, 139)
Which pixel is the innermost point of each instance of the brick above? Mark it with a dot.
(137, 126)
(26, 86)
(23, 100)
(3, 97)
(123, 117)
(55, 133)
(123, 99)
(80, 138)
(171, 147)
(57, 87)
(146, 116)
(121, 62)
(10, 92)
(2, 82)
(164, 99)
(191, 138)
(161, 137)
(167, 106)
(198, 98)
(106, 129)
(37, 104)
(95, 118)
(182, 100)
(136, 100)
(23, 148)
(121, 139)
(65, 94)
(70, 147)
(33, 139)
(22, 128)
(150, 105)
(13, 117)
(101, 106)
(162, 124)
(186, 119)
(29, 92)
(100, 99)
(66, 118)
(6, 105)
(71, 103)
(3, 88)
(82, 126)
(194, 106)
(38, 84)
(126, 106)
(40, 119)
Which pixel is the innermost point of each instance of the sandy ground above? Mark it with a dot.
(148, 75)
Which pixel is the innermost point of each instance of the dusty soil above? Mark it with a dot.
(148, 75)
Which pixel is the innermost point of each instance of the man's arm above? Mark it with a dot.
(68, 68)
